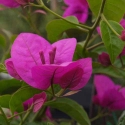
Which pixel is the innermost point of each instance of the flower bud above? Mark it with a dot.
(122, 37)
(104, 59)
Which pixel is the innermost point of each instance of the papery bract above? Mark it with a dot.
(11, 69)
(9, 3)
(41, 64)
(78, 8)
(48, 113)
(36, 101)
(14, 3)
(122, 22)
(23, 2)
(108, 95)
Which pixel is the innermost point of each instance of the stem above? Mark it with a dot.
(60, 92)
(86, 28)
(29, 19)
(103, 17)
(95, 24)
(52, 90)
(41, 111)
(99, 116)
(18, 114)
(121, 61)
(25, 117)
(92, 39)
(94, 46)
(95, 118)
(4, 116)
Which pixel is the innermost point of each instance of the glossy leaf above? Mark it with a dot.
(4, 101)
(8, 86)
(3, 120)
(110, 70)
(71, 108)
(20, 96)
(56, 27)
(2, 41)
(113, 10)
(78, 52)
(113, 44)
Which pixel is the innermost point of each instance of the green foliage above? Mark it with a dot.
(4, 101)
(9, 86)
(110, 70)
(71, 108)
(2, 41)
(78, 52)
(113, 10)
(56, 27)
(113, 43)
(3, 120)
(43, 123)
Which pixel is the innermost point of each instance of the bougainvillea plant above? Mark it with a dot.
(52, 50)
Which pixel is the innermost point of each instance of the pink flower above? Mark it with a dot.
(40, 64)
(37, 101)
(78, 8)
(108, 95)
(14, 3)
(104, 59)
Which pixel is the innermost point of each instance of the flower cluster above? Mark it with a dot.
(40, 64)
(108, 95)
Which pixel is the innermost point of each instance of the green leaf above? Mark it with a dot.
(20, 96)
(56, 27)
(71, 108)
(110, 70)
(4, 101)
(116, 26)
(39, 123)
(3, 120)
(113, 44)
(78, 52)
(65, 123)
(113, 10)
(8, 86)
(2, 41)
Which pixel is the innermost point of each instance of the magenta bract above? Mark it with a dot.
(41, 64)
(36, 101)
(77, 8)
(9, 3)
(14, 3)
(108, 95)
